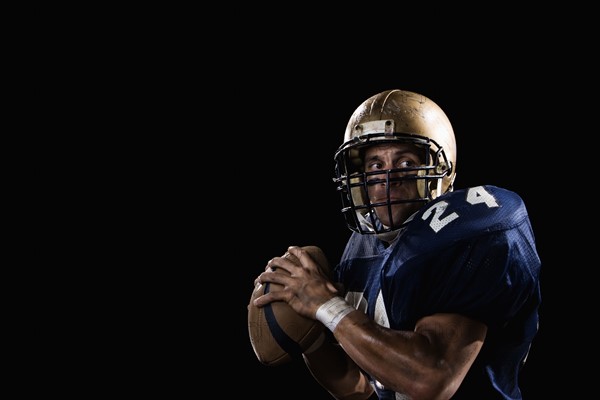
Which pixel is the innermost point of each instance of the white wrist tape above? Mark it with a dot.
(332, 311)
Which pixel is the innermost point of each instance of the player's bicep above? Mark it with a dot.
(456, 339)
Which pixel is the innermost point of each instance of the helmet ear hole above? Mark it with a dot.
(445, 184)
(429, 188)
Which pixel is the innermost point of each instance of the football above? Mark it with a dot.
(277, 333)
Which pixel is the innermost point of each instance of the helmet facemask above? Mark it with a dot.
(433, 178)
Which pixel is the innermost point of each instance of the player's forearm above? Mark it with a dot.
(336, 372)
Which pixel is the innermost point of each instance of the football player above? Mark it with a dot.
(436, 295)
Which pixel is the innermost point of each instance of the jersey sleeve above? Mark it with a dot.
(481, 263)
(489, 278)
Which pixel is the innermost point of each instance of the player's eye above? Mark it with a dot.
(375, 165)
(407, 163)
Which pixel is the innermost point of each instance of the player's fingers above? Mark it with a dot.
(275, 276)
(287, 263)
(311, 257)
(299, 254)
(281, 295)
(270, 267)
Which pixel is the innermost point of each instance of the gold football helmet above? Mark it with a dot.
(394, 116)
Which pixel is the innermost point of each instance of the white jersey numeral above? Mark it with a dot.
(475, 195)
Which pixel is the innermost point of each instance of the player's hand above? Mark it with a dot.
(304, 274)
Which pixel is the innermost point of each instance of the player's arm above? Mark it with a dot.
(335, 371)
(427, 363)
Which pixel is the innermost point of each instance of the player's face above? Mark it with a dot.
(391, 156)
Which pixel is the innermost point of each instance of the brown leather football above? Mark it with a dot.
(277, 333)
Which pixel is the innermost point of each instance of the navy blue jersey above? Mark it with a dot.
(470, 252)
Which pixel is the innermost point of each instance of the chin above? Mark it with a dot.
(398, 218)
